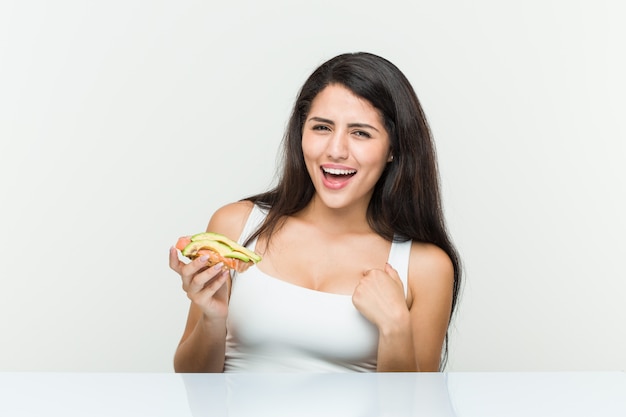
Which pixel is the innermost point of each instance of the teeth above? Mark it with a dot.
(335, 171)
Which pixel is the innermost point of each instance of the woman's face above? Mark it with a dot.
(345, 147)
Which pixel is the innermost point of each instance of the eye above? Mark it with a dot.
(362, 134)
(320, 128)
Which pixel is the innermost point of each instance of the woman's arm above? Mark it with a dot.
(203, 343)
(411, 330)
(202, 347)
(431, 283)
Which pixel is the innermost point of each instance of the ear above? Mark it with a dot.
(390, 159)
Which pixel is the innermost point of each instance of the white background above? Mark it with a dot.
(126, 123)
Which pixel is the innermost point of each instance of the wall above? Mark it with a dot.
(124, 124)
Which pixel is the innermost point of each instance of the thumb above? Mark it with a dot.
(393, 273)
(173, 258)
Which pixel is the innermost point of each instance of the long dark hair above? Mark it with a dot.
(406, 203)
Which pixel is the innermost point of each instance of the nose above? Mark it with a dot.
(337, 147)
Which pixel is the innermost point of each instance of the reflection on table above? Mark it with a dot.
(570, 394)
(323, 394)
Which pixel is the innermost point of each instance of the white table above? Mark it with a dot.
(469, 394)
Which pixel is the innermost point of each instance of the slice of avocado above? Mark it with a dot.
(224, 240)
(237, 255)
(222, 249)
(195, 246)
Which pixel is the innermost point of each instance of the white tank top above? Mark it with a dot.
(276, 326)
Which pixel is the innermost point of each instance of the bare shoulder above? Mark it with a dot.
(230, 219)
(431, 272)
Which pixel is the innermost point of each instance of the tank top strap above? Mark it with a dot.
(255, 219)
(399, 256)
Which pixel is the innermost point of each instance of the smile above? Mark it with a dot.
(336, 178)
(338, 172)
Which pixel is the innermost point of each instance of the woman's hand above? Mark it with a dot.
(204, 285)
(379, 296)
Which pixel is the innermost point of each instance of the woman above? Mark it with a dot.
(358, 272)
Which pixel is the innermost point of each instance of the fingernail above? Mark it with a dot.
(204, 258)
(219, 266)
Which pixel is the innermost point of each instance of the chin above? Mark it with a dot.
(338, 202)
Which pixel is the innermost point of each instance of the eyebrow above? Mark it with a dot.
(330, 122)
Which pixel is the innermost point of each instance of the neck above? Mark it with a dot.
(344, 220)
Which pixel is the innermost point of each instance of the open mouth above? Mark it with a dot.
(336, 178)
(336, 173)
